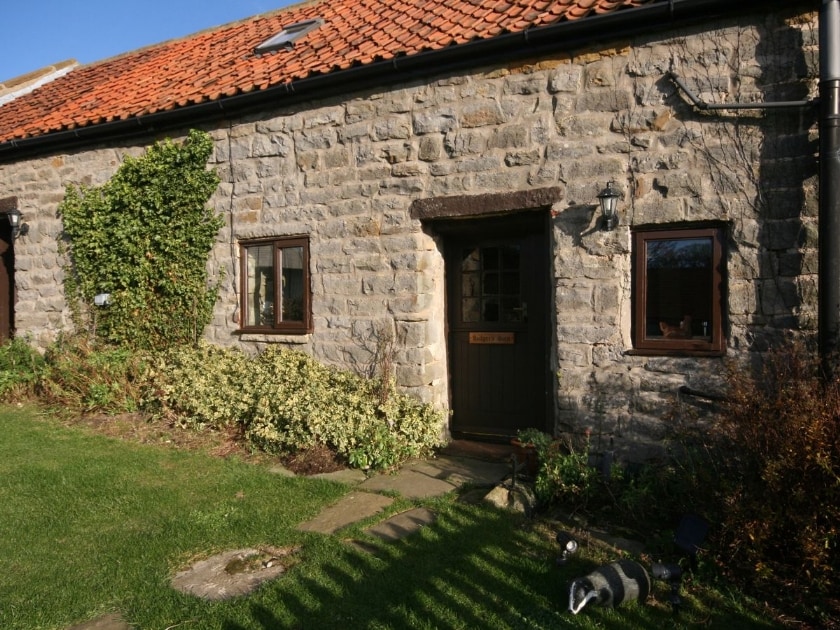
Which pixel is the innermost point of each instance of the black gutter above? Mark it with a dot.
(829, 217)
(576, 34)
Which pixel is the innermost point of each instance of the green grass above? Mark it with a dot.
(90, 525)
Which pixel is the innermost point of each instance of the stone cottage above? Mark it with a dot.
(430, 174)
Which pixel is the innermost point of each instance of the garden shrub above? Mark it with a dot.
(285, 401)
(778, 446)
(201, 386)
(21, 367)
(80, 377)
(563, 471)
(565, 475)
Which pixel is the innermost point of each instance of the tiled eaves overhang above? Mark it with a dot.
(563, 36)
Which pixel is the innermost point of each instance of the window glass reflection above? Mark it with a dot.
(679, 276)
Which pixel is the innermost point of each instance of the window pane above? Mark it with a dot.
(291, 262)
(512, 311)
(510, 283)
(490, 257)
(490, 285)
(260, 283)
(678, 303)
(510, 258)
(491, 310)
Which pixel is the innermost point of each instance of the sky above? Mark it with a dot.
(38, 33)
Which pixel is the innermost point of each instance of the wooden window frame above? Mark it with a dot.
(278, 326)
(715, 344)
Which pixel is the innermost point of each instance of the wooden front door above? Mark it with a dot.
(498, 316)
(7, 281)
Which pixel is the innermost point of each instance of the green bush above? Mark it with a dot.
(83, 378)
(21, 367)
(565, 475)
(285, 401)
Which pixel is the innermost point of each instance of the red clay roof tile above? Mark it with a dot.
(221, 62)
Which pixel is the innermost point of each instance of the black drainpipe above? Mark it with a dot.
(829, 219)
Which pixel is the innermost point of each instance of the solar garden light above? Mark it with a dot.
(671, 573)
(568, 546)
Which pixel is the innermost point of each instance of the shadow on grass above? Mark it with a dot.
(473, 568)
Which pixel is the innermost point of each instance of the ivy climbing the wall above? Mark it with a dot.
(144, 237)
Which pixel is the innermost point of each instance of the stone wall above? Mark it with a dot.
(345, 172)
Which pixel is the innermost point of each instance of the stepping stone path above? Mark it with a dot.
(239, 572)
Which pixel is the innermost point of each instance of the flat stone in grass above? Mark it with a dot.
(233, 573)
(349, 509)
(402, 524)
(409, 483)
(347, 476)
(105, 622)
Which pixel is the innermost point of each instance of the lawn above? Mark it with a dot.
(91, 524)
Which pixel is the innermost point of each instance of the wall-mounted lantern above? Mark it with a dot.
(609, 204)
(18, 227)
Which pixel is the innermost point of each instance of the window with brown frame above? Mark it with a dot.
(275, 285)
(678, 290)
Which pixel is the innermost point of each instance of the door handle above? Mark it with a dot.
(522, 310)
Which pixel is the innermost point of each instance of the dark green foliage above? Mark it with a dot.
(20, 368)
(564, 475)
(144, 237)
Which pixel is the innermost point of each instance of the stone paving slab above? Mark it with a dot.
(105, 622)
(460, 471)
(349, 509)
(402, 524)
(408, 483)
(348, 476)
(422, 479)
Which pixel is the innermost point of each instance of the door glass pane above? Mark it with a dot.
(291, 262)
(490, 285)
(490, 258)
(260, 283)
(678, 301)
(510, 258)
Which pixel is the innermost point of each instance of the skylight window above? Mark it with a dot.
(288, 36)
